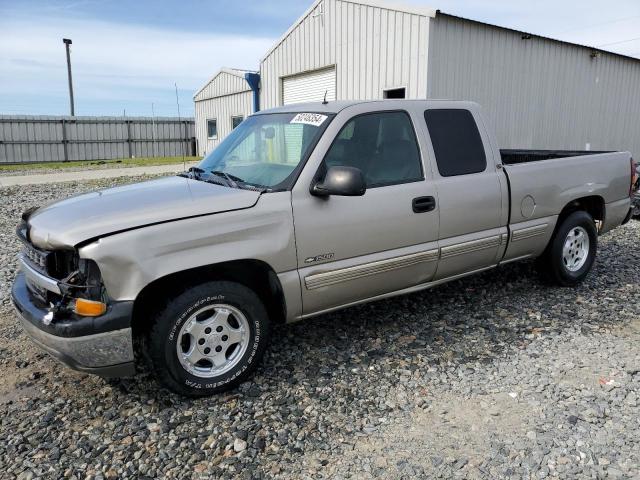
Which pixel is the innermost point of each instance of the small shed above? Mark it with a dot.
(221, 104)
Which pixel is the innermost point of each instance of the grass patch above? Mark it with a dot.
(120, 162)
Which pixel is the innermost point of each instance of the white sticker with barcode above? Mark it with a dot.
(315, 119)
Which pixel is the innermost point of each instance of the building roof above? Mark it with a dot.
(534, 35)
(427, 12)
(386, 4)
(237, 72)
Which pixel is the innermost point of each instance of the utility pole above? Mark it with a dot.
(67, 42)
(182, 147)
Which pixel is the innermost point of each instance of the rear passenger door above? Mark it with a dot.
(354, 248)
(473, 231)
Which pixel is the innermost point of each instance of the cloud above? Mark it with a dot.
(119, 64)
(115, 61)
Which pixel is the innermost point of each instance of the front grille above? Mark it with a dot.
(56, 264)
(38, 258)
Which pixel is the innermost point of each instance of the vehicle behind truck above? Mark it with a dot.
(300, 211)
(635, 202)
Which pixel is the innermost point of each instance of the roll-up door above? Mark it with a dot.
(309, 87)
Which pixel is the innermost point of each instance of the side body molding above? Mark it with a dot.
(332, 277)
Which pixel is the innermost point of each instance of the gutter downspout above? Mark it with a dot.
(253, 79)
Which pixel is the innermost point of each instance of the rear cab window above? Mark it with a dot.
(456, 141)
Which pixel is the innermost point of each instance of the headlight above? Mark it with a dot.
(85, 281)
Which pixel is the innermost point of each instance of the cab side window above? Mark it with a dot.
(383, 145)
(456, 142)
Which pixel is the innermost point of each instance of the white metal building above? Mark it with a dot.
(539, 93)
(220, 105)
(360, 50)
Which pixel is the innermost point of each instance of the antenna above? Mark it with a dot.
(184, 161)
(324, 102)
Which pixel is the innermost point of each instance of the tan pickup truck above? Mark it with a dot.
(300, 211)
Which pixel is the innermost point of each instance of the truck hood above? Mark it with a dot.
(67, 223)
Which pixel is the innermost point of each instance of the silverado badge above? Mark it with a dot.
(320, 258)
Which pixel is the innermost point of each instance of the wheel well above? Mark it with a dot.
(254, 274)
(593, 205)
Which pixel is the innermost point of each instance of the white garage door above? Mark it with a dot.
(309, 87)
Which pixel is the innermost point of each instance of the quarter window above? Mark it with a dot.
(456, 142)
(383, 145)
(212, 128)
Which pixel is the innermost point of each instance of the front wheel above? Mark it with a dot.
(572, 251)
(209, 338)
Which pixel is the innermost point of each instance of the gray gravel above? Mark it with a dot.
(495, 376)
(80, 167)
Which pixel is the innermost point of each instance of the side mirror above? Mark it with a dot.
(342, 181)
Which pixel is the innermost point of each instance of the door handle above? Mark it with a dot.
(423, 204)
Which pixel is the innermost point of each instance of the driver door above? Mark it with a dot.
(355, 248)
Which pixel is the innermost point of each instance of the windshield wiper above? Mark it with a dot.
(238, 182)
(232, 180)
(195, 173)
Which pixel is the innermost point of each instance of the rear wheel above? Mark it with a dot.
(572, 251)
(209, 338)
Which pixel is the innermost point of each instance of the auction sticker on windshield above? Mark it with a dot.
(315, 119)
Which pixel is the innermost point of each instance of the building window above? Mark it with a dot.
(235, 121)
(394, 93)
(456, 142)
(212, 128)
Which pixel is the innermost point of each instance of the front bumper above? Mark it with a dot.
(99, 345)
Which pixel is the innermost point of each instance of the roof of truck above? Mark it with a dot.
(339, 105)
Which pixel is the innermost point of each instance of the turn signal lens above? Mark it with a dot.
(89, 308)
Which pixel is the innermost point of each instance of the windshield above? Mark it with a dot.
(266, 150)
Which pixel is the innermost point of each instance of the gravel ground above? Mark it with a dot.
(494, 376)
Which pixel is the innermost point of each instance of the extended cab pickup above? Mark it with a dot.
(300, 211)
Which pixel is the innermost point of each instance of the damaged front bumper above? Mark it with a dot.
(100, 345)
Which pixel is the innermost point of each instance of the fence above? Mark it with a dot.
(53, 139)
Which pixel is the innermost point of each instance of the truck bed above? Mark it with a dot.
(512, 157)
(552, 184)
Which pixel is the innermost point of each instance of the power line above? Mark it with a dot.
(618, 43)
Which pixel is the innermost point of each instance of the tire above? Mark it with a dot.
(204, 322)
(569, 267)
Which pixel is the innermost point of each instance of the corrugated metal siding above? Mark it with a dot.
(222, 109)
(373, 48)
(538, 93)
(222, 84)
(309, 87)
(51, 139)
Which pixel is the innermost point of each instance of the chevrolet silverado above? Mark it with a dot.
(300, 211)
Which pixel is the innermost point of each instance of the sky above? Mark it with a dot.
(128, 56)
